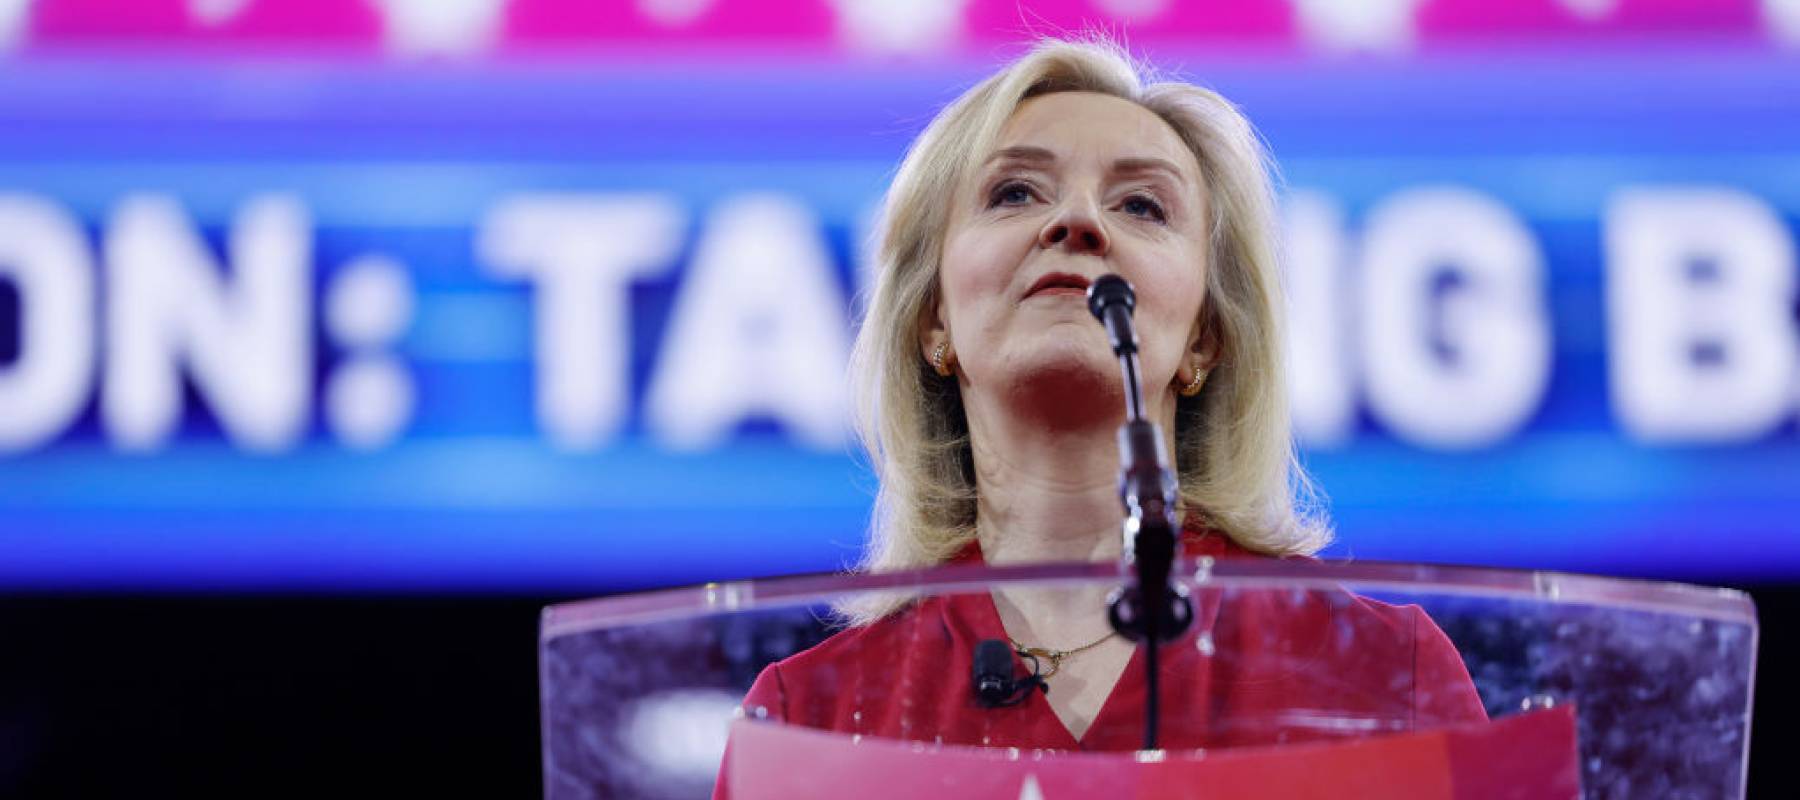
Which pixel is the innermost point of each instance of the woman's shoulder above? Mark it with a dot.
(855, 642)
(799, 687)
(1337, 605)
(1334, 648)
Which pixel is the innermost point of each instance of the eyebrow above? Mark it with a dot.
(1021, 153)
(1128, 166)
(1124, 166)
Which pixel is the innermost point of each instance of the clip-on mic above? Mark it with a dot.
(1150, 610)
(992, 672)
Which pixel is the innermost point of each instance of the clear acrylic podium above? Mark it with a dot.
(641, 693)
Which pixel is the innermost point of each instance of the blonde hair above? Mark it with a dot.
(1234, 454)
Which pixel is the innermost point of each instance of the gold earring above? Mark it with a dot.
(1192, 387)
(940, 358)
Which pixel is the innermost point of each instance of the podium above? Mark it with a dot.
(1299, 679)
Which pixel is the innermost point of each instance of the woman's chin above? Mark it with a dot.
(1074, 389)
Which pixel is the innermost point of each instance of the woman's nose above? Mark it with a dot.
(1077, 229)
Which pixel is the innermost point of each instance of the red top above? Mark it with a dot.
(1283, 666)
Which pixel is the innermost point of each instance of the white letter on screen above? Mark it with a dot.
(759, 328)
(246, 341)
(1699, 304)
(1320, 353)
(44, 255)
(581, 252)
(1456, 343)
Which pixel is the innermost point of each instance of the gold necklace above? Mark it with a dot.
(1055, 657)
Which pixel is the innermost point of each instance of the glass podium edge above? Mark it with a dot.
(1713, 603)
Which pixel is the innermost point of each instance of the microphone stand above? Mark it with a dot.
(1149, 610)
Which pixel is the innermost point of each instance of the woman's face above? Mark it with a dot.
(1080, 184)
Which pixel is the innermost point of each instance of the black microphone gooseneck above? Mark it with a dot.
(1149, 610)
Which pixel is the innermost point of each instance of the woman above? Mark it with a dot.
(990, 402)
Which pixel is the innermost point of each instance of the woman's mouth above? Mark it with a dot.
(1058, 283)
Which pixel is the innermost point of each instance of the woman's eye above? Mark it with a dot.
(1011, 193)
(1141, 206)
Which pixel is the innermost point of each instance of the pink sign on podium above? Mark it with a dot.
(1531, 755)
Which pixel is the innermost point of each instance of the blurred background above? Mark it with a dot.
(339, 336)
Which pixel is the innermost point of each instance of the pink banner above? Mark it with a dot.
(1524, 756)
(877, 26)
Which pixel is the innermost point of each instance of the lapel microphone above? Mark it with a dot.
(992, 674)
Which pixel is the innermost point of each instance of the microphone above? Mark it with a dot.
(992, 674)
(1152, 609)
(1146, 484)
(1111, 300)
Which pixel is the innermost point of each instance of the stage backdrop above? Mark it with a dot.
(556, 295)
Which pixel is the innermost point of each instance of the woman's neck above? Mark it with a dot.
(1047, 503)
(1047, 483)
(1046, 475)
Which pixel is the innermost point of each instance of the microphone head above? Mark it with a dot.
(992, 672)
(1107, 291)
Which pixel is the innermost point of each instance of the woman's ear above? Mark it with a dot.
(1204, 346)
(934, 338)
(1206, 342)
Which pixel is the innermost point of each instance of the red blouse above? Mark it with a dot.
(1258, 667)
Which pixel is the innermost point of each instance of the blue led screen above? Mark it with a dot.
(326, 325)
